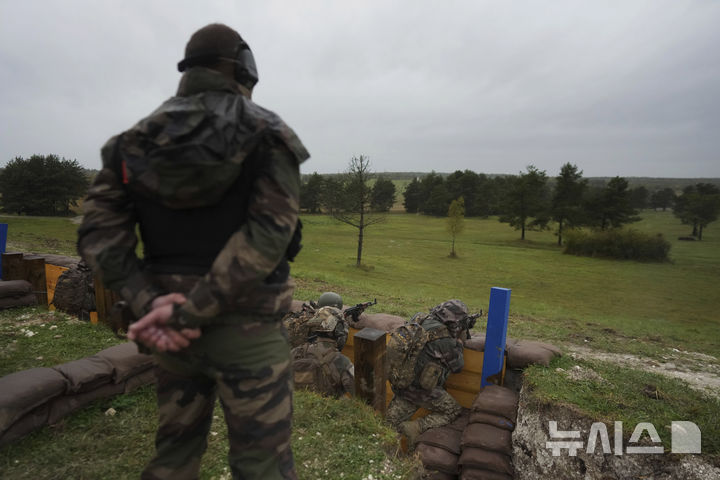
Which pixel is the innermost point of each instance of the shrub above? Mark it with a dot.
(623, 244)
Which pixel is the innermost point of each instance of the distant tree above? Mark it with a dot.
(433, 194)
(466, 184)
(662, 198)
(42, 185)
(455, 221)
(332, 195)
(311, 193)
(639, 197)
(698, 205)
(412, 196)
(567, 200)
(527, 201)
(610, 207)
(382, 196)
(355, 208)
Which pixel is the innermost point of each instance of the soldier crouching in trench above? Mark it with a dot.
(441, 355)
(213, 182)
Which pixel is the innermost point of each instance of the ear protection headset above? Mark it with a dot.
(245, 69)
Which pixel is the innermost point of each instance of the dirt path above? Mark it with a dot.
(700, 371)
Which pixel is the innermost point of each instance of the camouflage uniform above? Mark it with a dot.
(296, 324)
(447, 353)
(213, 182)
(340, 370)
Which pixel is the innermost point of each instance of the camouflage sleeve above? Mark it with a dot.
(107, 239)
(450, 352)
(254, 251)
(348, 380)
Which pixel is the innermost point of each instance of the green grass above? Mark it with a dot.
(616, 306)
(630, 396)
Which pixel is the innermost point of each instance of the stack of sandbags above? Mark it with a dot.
(16, 293)
(33, 398)
(439, 449)
(520, 353)
(486, 443)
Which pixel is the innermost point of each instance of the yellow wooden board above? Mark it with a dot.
(463, 386)
(52, 273)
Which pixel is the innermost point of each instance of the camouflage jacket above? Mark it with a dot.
(447, 352)
(186, 155)
(342, 370)
(296, 324)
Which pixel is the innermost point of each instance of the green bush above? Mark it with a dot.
(622, 244)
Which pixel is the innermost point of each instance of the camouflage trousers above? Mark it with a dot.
(249, 370)
(442, 406)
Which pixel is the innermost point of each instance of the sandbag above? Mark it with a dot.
(379, 321)
(435, 458)
(126, 361)
(21, 392)
(140, 380)
(435, 475)
(66, 404)
(490, 419)
(480, 474)
(29, 422)
(86, 374)
(498, 401)
(487, 437)
(442, 437)
(14, 288)
(296, 305)
(477, 458)
(461, 421)
(527, 352)
(477, 342)
(26, 300)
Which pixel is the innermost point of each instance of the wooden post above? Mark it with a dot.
(495, 336)
(34, 269)
(104, 300)
(12, 266)
(369, 347)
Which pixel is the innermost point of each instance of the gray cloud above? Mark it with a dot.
(628, 88)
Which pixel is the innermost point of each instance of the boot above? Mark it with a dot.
(411, 430)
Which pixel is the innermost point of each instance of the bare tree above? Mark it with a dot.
(357, 197)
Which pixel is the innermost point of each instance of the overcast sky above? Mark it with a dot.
(629, 88)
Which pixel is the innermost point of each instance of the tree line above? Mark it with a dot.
(530, 200)
(42, 185)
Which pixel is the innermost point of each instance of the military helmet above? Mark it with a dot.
(329, 322)
(216, 42)
(330, 299)
(451, 311)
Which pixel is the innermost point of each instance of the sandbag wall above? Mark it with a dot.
(37, 397)
(16, 293)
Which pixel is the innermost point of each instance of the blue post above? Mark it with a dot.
(3, 242)
(495, 336)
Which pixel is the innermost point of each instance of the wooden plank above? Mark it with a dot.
(34, 272)
(52, 274)
(12, 266)
(369, 359)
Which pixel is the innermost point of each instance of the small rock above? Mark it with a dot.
(110, 412)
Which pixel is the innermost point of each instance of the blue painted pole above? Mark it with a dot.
(495, 336)
(3, 242)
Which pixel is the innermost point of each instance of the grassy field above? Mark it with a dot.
(645, 309)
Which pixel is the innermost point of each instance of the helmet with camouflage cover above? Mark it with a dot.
(450, 312)
(329, 322)
(330, 299)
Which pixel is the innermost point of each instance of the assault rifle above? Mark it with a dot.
(468, 323)
(354, 312)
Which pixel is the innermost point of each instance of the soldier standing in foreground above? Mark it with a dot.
(441, 355)
(212, 180)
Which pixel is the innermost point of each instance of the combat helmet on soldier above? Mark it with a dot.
(330, 299)
(328, 322)
(451, 313)
(218, 43)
